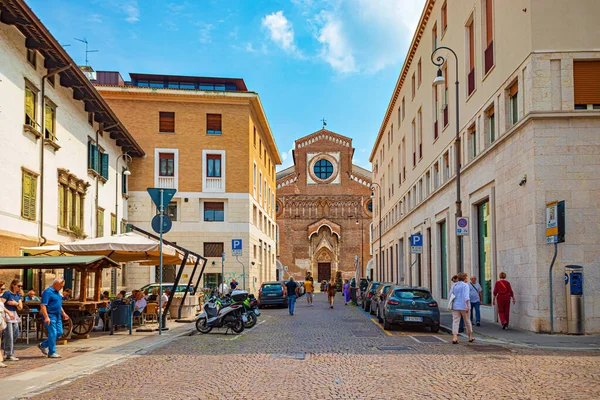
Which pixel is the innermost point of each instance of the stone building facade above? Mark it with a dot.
(529, 101)
(209, 139)
(323, 210)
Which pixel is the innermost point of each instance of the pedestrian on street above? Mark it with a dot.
(309, 288)
(223, 289)
(460, 307)
(346, 292)
(5, 316)
(330, 288)
(233, 284)
(12, 299)
(475, 296)
(502, 294)
(292, 293)
(51, 308)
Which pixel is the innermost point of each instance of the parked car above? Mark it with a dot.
(272, 294)
(379, 298)
(411, 306)
(301, 289)
(370, 291)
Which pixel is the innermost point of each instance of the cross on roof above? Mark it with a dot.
(324, 121)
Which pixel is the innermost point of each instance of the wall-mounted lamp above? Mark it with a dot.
(213, 263)
(523, 180)
(253, 263)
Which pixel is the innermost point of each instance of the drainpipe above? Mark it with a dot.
(98, 175)
(41, 239)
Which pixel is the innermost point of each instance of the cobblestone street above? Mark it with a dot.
(338, 354)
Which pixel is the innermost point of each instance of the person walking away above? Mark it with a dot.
(223, 289)
(12, 299)
(51, 308)
(502, 294)
(475, 297)
(292, 293)
(346, 292)
(330, 288)
(309, 288)
(5, 316)
(460, 307)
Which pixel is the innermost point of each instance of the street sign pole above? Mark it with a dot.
(160, 290)
(223, 271)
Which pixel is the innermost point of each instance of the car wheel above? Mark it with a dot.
(386, 325)
(435, 328)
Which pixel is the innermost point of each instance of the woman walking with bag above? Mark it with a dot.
(346, 292)
(503, 293)
(460, 307)
(12, 302)
(4, 316)
(330, 288)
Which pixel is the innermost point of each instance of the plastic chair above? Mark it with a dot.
(150, 313)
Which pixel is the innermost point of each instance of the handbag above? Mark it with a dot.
(3, 323)
(451, 300)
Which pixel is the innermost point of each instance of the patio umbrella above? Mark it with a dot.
(126, 247)
(51, 250)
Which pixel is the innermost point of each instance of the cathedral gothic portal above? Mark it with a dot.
(324, 210)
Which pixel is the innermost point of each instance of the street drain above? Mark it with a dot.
(428, 339)
(392, 348)
(365, 334)
(290, 356)
(486, 348)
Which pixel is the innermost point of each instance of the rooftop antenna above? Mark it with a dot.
(324, 121)
(87, 51)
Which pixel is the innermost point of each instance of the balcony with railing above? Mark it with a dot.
(489, 57)
(166, 182)
(471, 82)
(214, 184)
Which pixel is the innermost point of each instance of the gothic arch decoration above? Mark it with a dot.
(316, 227)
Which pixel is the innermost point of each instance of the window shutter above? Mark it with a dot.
(26, 196)
(61, 205)
(213, 123)
(104, 171)
(29, 106)
(123, 183)
(587, 82)
(514, 89)
(213, 206)
(91, 150)
(166, 122)
(33, 195)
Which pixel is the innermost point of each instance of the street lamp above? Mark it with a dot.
(380, 277)
(439, 80)
(362, 246)
(126, 159)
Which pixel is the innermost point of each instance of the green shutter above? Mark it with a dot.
(33, 195)
(61, 205)
(104, 171)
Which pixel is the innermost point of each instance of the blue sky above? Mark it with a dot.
(307, 59)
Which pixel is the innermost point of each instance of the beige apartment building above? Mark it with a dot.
(529, 102)
(209, 139)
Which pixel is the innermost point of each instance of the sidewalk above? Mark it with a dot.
(36, 373)
(491, 332)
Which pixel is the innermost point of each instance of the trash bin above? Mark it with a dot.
(121, 314)
(574, 297)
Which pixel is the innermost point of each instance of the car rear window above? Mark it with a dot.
(272, 288)
(412, 294)
(374, 287)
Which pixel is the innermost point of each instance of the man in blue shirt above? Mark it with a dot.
(51, 309)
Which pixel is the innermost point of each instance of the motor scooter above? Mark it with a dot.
(213, 315)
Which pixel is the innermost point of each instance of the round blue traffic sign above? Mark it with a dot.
(566, 278)
(166, 225)
(462, 222)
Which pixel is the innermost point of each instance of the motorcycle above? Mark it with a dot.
(216, 314)
(250, 305)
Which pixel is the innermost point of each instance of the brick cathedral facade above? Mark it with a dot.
(324, 210)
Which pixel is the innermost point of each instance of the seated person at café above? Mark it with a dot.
(140, 303)
(165, 297)
(67, 294)
(146, 294)
(121, 295)
(154, 296)
(31, 296)
(105, 295)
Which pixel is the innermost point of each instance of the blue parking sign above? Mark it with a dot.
(416, 243)
(236, 247)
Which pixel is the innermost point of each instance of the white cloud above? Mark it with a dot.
(281, 32)
(335, 50)
(205, 33)
(95, 18)
(287, 158)
(131, 10)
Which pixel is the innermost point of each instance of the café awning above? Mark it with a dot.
(54, 262)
